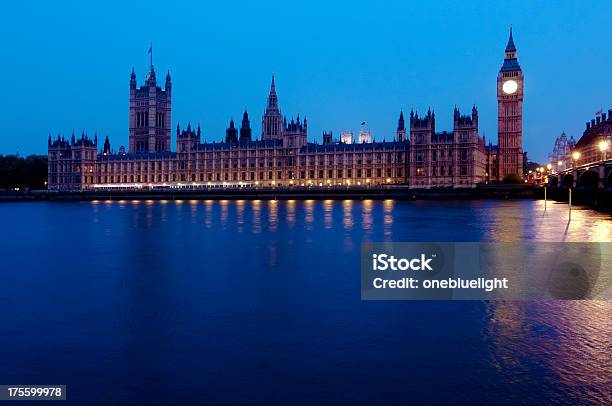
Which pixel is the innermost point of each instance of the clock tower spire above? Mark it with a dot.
(510, 86)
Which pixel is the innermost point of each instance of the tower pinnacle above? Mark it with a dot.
(272, 97)
(272, 123)
(151, 55)
(510, 46)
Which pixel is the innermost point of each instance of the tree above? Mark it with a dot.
(513, 178)
(19, 172)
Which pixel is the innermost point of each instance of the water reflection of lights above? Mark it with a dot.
(194, 210)
(309, 214)
(553, 224)
(256, 205)
(388, 218)
(328, 206)
(347, 209)
(366, 214)
(208, 216)
(224, 212)
(290, 213)
(348, 222)
(272, 215)
(240, 215)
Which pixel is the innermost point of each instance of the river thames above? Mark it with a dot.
(243, 302)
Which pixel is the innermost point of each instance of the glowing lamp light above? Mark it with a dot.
(576, 155)
(603, 146)
(559, 163)
(549, 167)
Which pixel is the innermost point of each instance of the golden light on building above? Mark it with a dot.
(576, 155)
(603, 145)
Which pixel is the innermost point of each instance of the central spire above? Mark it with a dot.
(272, 121)
(273, 98)
(273, 86)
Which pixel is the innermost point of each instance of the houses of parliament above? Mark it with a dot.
(420, 156)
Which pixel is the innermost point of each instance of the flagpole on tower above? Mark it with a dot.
(151, 54)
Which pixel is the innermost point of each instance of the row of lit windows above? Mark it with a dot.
(245, 176)
(442, 171)
(216, 164)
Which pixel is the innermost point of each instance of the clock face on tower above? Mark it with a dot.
(510, 87)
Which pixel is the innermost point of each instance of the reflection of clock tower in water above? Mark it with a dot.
(510, 114)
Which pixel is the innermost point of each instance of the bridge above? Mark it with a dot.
(594, 176)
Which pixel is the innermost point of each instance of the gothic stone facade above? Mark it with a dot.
(424, 158)
(150, 115)
(456, 158)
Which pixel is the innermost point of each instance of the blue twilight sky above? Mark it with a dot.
(66, 65)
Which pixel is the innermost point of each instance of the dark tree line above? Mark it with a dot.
(29, 172)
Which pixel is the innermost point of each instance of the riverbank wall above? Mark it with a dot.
(298, 193)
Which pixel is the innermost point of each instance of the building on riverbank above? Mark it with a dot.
(561, 153)
(283, 156)
(597, 134)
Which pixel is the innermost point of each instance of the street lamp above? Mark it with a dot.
(549, 167)
(576, 156)
(603, 147)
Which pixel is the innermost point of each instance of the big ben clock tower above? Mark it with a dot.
(510, 84)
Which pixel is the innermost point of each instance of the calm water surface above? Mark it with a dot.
(239, 302)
